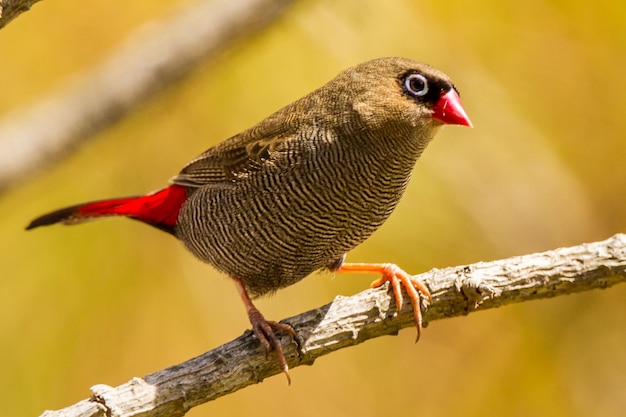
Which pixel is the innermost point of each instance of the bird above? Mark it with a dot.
(296, 192)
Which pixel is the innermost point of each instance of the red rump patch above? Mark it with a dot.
(159, 208)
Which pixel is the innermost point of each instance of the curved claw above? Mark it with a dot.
(397, 278)
(265, 331)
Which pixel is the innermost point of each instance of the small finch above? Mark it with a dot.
(296, 192)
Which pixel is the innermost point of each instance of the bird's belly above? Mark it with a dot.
(272, 236)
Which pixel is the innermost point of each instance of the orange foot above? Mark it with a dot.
(396, 277)
(264, 330)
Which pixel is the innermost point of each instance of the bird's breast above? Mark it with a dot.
(296, 215)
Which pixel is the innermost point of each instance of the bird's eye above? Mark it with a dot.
(416, 84)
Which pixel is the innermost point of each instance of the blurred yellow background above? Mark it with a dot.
(544, 85)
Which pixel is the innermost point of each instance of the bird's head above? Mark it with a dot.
(401, 93)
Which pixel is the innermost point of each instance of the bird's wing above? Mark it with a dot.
(235, 158)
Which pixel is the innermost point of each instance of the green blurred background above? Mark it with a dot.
(543, 83)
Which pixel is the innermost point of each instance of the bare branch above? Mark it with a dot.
(348, 321)
(10, 9)
(153, 58)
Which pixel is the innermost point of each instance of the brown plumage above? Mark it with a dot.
(297, 191)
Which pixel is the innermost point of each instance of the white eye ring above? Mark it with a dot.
(416, 84)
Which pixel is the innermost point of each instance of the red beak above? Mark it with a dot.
(449, 110)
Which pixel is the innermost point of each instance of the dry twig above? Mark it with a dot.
(348, 321)
(156, 56)
(10, 9)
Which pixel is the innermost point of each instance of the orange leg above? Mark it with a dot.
(264, 330)
(397, 278)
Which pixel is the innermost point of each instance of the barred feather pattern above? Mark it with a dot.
(296, 192)
(287, 220)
